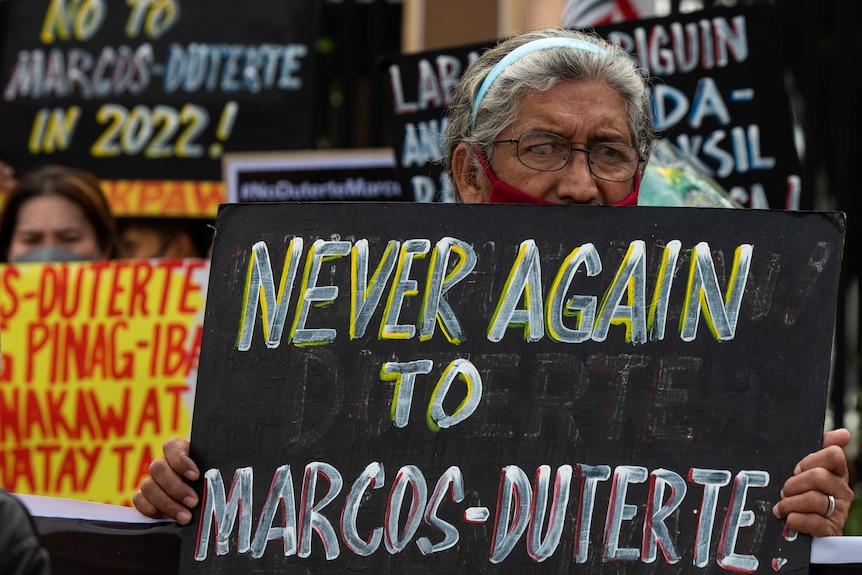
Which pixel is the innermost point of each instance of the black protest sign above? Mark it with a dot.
(425, 388)
(154, 89)
(719, 95)
(419, 88)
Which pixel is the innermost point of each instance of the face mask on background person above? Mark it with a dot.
(51, 254)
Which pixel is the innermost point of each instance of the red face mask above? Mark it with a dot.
(503, 193)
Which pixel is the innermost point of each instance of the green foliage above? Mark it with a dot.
(854, 519)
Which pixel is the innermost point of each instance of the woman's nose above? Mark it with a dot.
(577, 185)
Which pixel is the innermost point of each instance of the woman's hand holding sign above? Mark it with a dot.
(164, 493)
(817, 498)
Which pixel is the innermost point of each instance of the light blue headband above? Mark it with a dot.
(520, 52)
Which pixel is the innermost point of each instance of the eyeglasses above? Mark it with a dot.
(549, 152)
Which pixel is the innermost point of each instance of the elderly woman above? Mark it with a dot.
(550, 116)
(553, 116)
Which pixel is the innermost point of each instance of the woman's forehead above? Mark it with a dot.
(50, 211)
(573, 107)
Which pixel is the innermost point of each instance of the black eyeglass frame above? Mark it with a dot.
(587, 151)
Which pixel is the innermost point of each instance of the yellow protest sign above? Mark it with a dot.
(99, 368)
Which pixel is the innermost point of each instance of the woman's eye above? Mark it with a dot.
(70, 240)
(605, 151)
(611, 153)
(542, 149)
(29, 240)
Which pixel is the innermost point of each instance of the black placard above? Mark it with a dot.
(669, 366)
(154, 89)
(418, 88)
(718, 93)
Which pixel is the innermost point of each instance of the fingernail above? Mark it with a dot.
(190, 501)
(190, 475)
(184, 517)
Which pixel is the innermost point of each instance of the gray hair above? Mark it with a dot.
(540, 70)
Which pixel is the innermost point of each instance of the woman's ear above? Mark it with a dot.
(472, 187)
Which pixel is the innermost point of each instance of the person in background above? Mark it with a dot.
(175, 238)
(7, 177)
(553, 117)
(57, 213)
